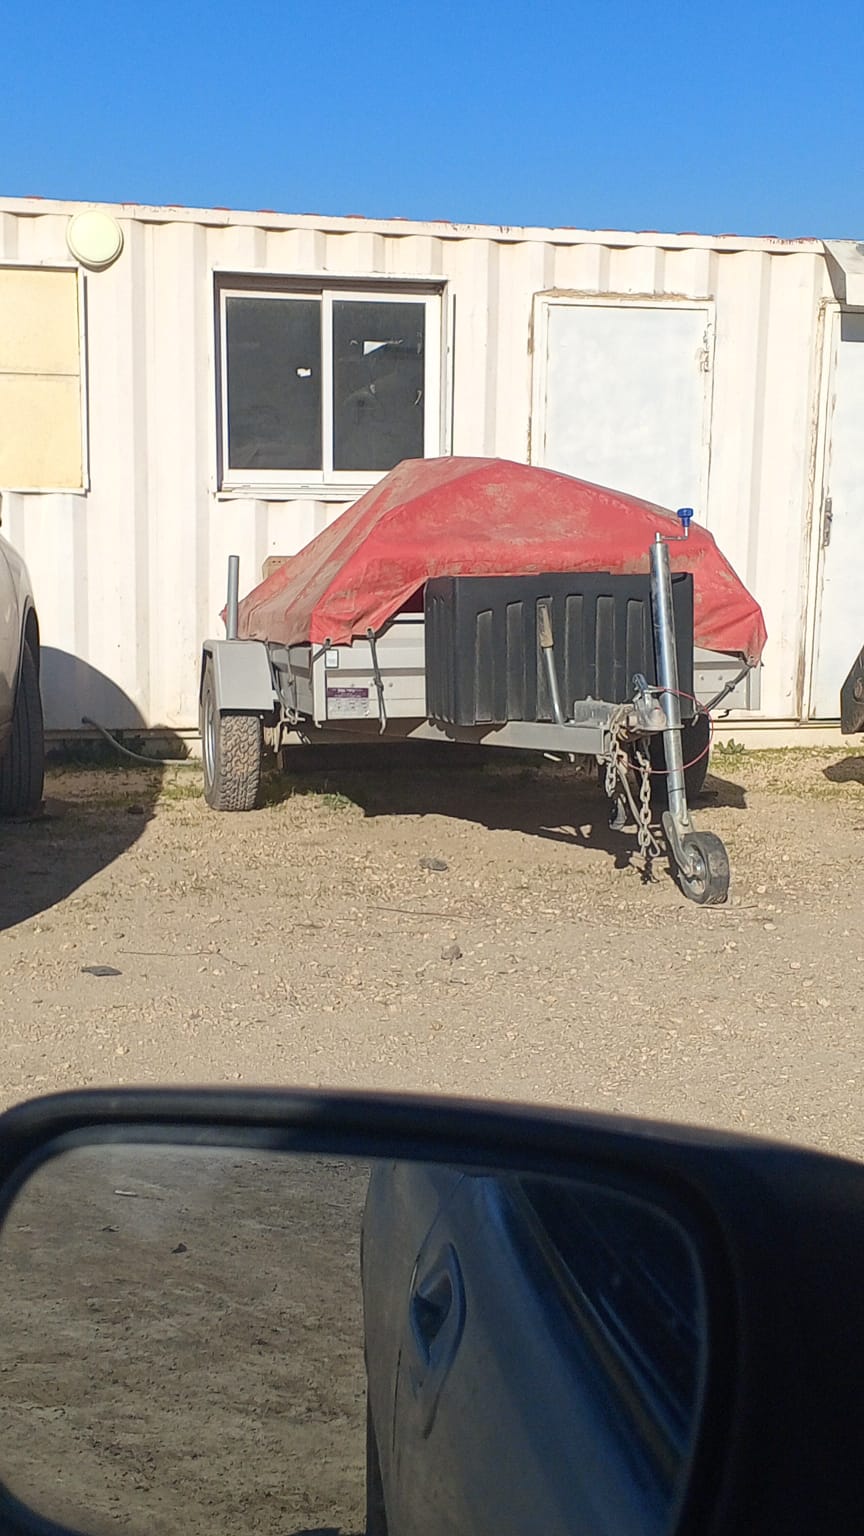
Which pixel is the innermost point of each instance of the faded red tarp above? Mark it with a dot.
(483, 517)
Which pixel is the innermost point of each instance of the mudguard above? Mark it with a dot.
(242, 676)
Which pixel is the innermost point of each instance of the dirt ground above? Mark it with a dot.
(187, 1354)
(305, 943)
(312, 943)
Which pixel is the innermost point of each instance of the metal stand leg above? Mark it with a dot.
(618, 814)
(700, 857)
(667, 678)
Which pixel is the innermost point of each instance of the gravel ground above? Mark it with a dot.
(185, 1350)
(306, 943)
(162, 1371)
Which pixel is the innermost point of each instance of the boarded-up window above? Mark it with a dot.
(40, 380)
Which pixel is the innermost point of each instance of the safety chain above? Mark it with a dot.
(648, 845)
(618, 769)
(612, 760)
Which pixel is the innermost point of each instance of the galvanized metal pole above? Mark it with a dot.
(233, 605)
(667, 675)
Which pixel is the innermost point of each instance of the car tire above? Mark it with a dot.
(22, 766)
(232, 749)
(376, 1513)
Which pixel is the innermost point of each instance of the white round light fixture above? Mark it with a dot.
(95, 239)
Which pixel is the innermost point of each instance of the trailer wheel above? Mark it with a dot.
(695, 741)
(232, 747)
(708, 884)
(22, 765)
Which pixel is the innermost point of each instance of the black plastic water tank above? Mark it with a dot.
(483, 660)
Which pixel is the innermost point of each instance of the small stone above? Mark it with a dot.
(451, 952)
(437, 866)
(100, 970)
(181, 1248)
(135, 810)
(769, 927)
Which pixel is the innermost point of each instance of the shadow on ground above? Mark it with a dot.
(503, 791)
(44, 860)
(79, 831)
(324, 1530)
(850, 770)
(723, 793)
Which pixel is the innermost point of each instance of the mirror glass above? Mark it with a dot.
(187, 1334)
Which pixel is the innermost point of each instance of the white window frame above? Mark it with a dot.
(337, 484)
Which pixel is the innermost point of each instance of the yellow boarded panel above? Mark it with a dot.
(40, 432)
(38, 321)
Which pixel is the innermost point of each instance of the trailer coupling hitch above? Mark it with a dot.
(647, 715)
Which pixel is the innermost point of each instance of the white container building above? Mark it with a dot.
(180, 384)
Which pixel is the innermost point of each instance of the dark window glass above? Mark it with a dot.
(274, 383)
(635, 1287)
(378, 400)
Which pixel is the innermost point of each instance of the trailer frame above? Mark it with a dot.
(257, 693)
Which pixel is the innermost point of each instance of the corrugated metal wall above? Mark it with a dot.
(130, 576)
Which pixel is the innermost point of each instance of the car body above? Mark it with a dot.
(22, 740)
(670, 1339)
(532, 1313)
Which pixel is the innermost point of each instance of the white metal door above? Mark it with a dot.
(840, 618)
(624, 396)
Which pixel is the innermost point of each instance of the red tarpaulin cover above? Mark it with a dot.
(483, 517)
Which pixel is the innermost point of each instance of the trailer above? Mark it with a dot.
(483, 602)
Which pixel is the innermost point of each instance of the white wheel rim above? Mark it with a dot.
(209, 742)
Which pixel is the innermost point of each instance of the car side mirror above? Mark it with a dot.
(300, 1312)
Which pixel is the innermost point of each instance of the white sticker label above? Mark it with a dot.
(347, 703)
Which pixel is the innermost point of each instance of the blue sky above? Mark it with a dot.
(723, 117)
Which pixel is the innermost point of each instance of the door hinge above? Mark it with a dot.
(827, 520)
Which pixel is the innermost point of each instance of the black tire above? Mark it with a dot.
(708, 885)
(376, 1513)
(695, 741)
(22, 765)
(232, 749)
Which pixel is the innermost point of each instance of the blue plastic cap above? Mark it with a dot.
(685, 516)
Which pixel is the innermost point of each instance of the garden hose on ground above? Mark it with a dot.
(137, 757)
